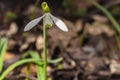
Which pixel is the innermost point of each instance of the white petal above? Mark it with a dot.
(32, 23)
(47, 20)
(59, 23)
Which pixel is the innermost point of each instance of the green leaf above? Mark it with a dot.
(55, 60)
(10, 68)
(3, 47)
(39, 70)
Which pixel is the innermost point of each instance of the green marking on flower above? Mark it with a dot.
(45, 7)
(47, 25)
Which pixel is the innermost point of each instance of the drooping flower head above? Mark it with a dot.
(48, 20)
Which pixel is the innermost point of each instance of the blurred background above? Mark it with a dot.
(90, 50)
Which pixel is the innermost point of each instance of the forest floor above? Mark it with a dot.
(89, 49)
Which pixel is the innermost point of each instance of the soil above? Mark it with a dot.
(89, 49)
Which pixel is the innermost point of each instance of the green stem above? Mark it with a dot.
(35, 9)
(4, 74)
(45, 52)
(108, 14)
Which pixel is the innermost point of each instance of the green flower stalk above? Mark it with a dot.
(48, 20)
(45, 7)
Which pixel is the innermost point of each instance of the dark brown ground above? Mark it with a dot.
(89, 50)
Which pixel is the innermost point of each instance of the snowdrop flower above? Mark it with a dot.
(48, 20)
